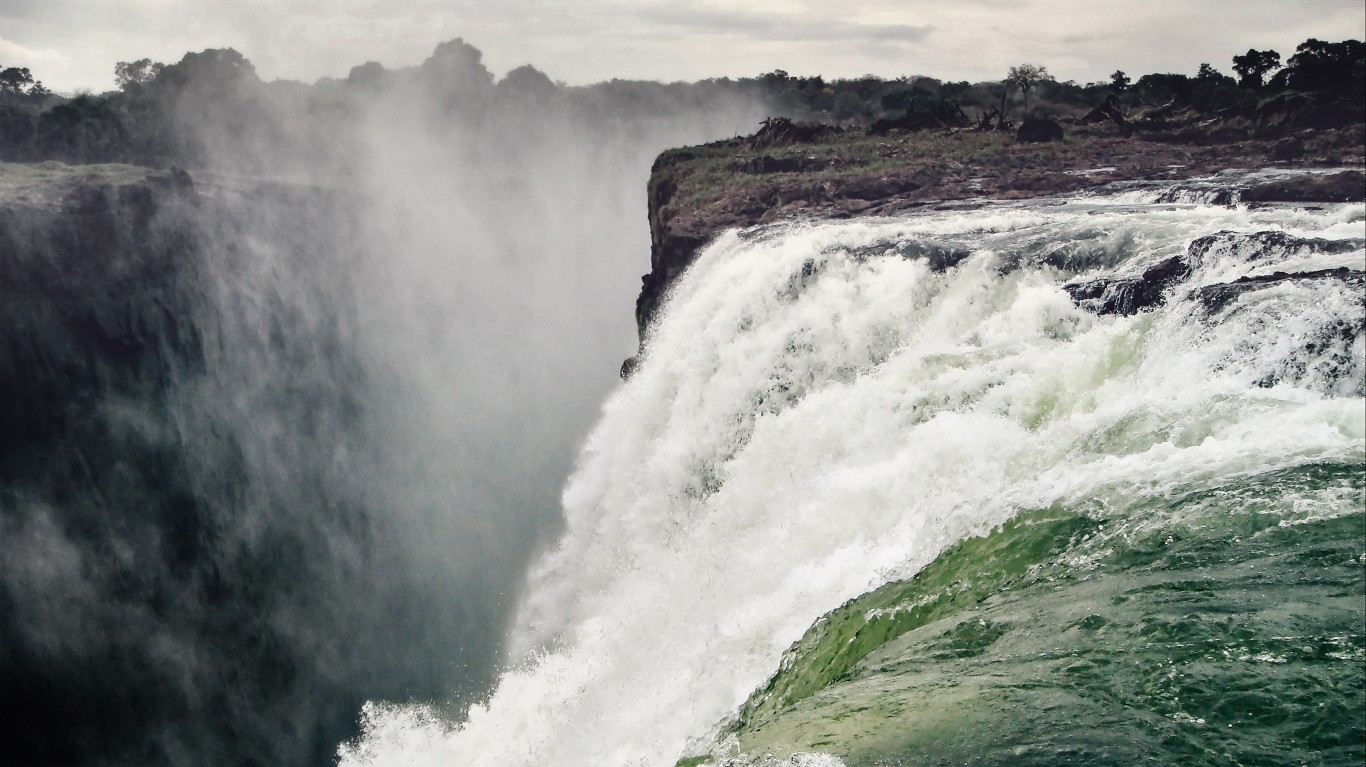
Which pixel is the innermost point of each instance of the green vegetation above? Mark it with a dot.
(179, 113)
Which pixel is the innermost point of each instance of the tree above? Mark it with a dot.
(15, 80)
(131, 74)
(1208, 72)
(1119, 81)
(1320, 66)
(1026, 77)
(1253, 67)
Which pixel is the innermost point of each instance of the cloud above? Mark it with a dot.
(13, 54)
(779, 27)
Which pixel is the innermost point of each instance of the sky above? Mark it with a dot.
(73, 45)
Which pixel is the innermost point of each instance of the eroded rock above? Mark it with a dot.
(1216, 298)
(1127, 295)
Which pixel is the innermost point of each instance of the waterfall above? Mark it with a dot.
(822, 408)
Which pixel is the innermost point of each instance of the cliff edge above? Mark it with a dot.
(789, 172)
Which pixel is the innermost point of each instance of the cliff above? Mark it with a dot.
(824, 173)
(995, 652)
(147, 562)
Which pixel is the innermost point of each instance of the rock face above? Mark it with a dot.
(1034, 131)
(90, 300)
(1348, 186)
(1216, 298)
(786, 171)
(164, 550)
(1129, 295)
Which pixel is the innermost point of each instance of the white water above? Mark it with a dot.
(791, 441)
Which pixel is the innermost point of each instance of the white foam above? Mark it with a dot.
(809, 422)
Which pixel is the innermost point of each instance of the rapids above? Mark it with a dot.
(824, 408)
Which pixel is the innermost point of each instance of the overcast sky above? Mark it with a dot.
(74, 45)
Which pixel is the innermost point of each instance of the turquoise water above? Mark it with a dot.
(1219, 627)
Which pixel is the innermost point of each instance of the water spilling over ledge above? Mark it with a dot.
(824, 411)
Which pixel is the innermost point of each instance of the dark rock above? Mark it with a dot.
(1188, 195)
(1109, 110)
(628, 367)
(669, 256)
(1129, 295)
(1216, 297)
(1348, 186)
(939, 257)
(1260, 246)
(117, 330)
(1288, 149)
(1035, 130)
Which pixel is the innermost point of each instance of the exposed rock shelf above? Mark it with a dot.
(697, 192)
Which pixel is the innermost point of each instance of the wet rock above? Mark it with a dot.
(1035, 131)
(1348, 186)
(1268, 246)
(1185, 195)
(1217, 297)
(1131, 294)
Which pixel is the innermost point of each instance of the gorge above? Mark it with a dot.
(935, 447)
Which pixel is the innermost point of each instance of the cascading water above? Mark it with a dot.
(826, 407)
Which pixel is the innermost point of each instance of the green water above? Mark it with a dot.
(1220, 627)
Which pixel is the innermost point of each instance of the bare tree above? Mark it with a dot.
(1025, 77)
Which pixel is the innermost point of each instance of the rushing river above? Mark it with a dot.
(824, 409)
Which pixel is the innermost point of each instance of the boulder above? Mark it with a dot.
(1127, 295)
(1034, 131)
(1109, 110)
(1288, 149)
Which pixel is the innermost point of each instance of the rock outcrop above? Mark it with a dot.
(1348, 186)
(787, 171)
(91, 300)
(1216, 298)
(1035, 130)
(1129, 295)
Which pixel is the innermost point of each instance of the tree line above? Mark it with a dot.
(164, 114)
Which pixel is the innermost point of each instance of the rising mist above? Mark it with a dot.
(399, 299)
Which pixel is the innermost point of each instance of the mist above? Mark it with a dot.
(406, 294)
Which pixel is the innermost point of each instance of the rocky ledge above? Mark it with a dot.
(786, 172)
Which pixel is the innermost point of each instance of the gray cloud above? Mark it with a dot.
(779, 28)
(75, 44)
